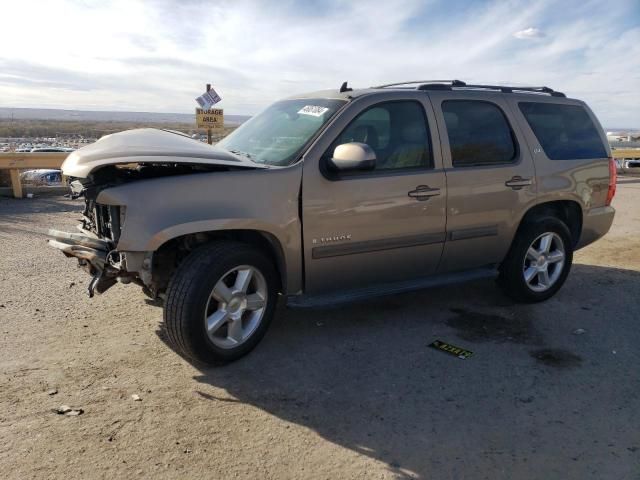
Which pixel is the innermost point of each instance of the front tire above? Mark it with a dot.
(538, 262)
(220, 302)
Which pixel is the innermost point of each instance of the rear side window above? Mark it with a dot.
(565, 132)
(479, 133)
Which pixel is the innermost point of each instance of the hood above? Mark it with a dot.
(148, 145)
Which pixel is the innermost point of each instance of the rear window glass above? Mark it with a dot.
(565, 132)
(479, 133)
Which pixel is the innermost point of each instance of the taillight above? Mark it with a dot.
(613, 178)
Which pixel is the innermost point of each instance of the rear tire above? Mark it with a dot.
(220, 302)
(538, 262)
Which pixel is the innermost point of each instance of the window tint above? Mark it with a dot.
(565, 132)
(396, 131)
(372, 127)
(479, 133)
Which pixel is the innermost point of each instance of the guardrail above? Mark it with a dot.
(626, 153)
(14, 162)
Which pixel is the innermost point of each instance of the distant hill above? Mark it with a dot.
(99, 116)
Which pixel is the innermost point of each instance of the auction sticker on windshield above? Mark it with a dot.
(312, 110)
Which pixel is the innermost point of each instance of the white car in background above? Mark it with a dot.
(42, 177)
(52, 149)
(45, 176)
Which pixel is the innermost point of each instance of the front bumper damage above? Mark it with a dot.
(94, 255)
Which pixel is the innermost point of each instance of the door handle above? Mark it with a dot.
(424, 192)
(518, 182)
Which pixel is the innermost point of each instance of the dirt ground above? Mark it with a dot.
(348, 392)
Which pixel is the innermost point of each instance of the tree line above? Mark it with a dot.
(87, 129)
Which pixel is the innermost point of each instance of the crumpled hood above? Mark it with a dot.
(148, 145)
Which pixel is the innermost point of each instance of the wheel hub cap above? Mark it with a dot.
(236, 306)
(544, 262)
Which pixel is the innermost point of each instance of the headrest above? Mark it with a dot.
(366, 134)
(451, 119)
(413, 133)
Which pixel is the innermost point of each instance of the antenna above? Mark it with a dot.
(345, 88)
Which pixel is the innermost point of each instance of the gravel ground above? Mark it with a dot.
(349, 392)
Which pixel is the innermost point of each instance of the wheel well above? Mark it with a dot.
(171, 253)
(568, 211)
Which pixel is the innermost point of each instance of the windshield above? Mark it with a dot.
(277, 135)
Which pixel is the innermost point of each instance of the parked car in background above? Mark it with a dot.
(45, 176)
(339, 195)
(42, 177)
(52, 149)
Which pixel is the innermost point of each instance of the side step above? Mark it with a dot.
(358, 294)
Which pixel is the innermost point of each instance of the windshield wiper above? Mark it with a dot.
(242, 154)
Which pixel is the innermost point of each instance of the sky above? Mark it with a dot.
(157, 55)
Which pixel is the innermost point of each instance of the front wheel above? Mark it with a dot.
(220, 302)
(539, 261)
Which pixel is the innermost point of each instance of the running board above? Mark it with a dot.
(355, 295)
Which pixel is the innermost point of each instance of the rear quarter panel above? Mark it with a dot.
(583, 181)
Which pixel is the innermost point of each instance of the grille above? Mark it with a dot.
(103, 220)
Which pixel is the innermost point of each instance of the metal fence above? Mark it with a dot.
(14, 162)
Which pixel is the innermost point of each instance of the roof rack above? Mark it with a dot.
(459, 84)
(422, 82)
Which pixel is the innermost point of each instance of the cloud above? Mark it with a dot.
(157, 55)
(529, 34)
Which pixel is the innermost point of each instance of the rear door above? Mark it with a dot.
(378, 226)
(490, 177)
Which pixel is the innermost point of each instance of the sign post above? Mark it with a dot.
(209, 139)
(206, 117)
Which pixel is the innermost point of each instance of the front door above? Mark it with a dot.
(377, 226)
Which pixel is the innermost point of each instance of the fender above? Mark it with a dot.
(264, 200)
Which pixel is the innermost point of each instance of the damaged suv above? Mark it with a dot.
(338, 195)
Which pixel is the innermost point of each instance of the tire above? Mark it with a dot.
(522, 264)
(194, 315)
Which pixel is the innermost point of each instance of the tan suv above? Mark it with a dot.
(342, 194)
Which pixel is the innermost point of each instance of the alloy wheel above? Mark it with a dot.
(236, 306)
(544, 262)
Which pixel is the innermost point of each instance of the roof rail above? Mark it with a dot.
(413, 82)
(458, 84)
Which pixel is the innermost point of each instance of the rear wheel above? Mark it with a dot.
(220, 302)
(539, 260)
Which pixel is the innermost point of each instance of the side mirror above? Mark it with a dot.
(353, 156)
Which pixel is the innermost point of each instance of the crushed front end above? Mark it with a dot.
(95, 245)
(154, 160)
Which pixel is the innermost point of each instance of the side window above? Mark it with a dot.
(565, 132)
(396, 131)
(479, 133)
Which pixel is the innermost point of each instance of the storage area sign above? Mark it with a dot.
(212, 118)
